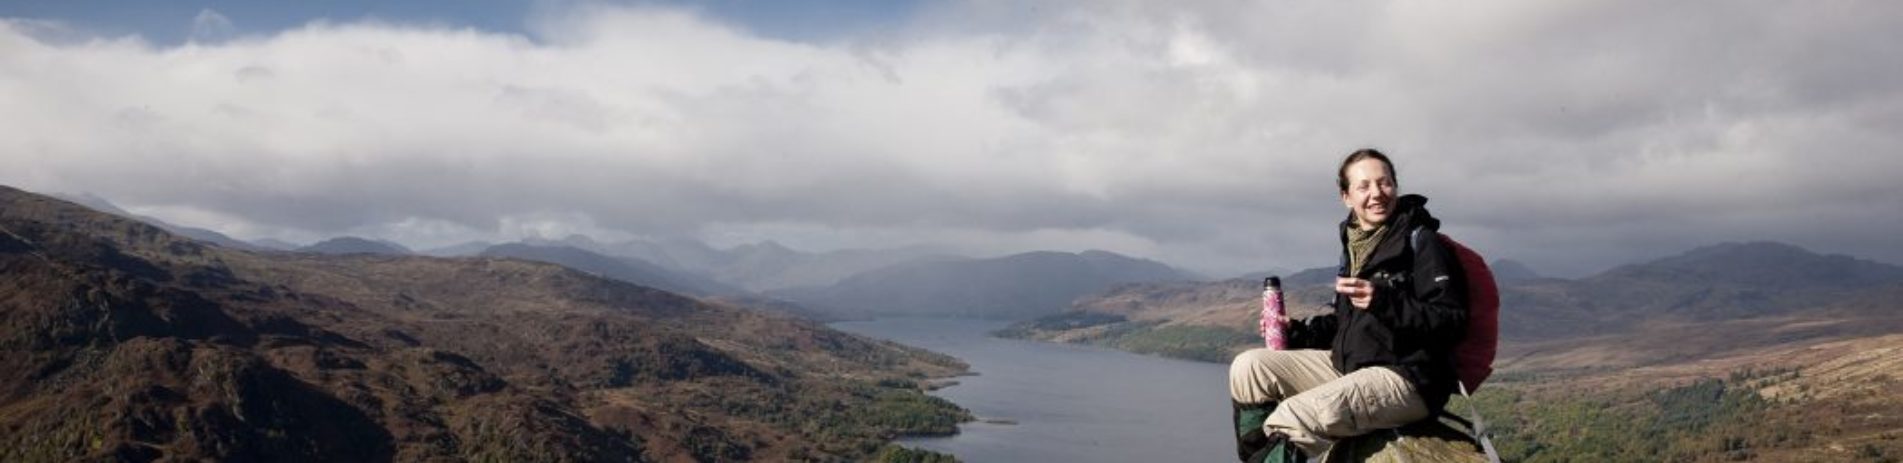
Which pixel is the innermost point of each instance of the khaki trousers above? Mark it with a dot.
(1320, 404)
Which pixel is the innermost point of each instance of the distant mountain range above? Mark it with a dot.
(1719, 283)
(1011, 287)
(355, 245)
(1512, 271)
(274, 244)
(755, 267)
(458, 250)
(102, 205)
(627, 269)
(123, 341)
(850, 283)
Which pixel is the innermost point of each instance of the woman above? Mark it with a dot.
(1383, 357)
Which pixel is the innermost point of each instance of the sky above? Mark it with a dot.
(1573, 136)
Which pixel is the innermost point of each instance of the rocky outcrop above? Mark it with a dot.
(1424, 442)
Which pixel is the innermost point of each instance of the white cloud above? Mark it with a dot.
(210, 26)
(1573, 135)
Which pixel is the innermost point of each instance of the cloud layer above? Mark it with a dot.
(1571, 135)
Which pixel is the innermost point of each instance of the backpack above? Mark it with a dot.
(1473, 356)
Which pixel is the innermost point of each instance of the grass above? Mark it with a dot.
(1708, 419)
(1201, 343)
(898, 454)
(1189, 342)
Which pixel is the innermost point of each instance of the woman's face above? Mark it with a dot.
(1370, 194)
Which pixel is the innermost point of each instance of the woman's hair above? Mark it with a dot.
(1341, 175)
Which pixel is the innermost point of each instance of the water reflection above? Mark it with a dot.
(1069, 403)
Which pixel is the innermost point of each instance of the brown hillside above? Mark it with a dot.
(129, 343)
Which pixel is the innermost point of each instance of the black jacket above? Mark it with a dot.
(1419, 311)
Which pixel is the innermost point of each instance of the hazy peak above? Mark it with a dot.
(95, 203)
(1512, 270)
(1764, 263)
(768, 246)
(355, 245)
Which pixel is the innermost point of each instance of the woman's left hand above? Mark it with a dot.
(1360, 292)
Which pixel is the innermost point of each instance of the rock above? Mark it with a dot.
(1424, 442)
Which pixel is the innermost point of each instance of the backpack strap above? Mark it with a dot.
(1414, 238)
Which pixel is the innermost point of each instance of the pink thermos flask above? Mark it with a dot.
(1274, 315)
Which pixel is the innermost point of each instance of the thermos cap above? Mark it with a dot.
(1272, 282)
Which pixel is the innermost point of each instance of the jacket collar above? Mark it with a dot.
(1410, 213)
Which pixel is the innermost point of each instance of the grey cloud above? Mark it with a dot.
(1570, 136)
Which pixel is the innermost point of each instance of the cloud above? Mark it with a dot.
(209, 26)
(1570, 135)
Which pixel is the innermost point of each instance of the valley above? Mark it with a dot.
(1727, 352)
(131, 343)
(140, 344)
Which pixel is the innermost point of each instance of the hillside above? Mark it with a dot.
(631, 270)
(1829, 399)
(131, 343)
(769, 266)
(465, 249)
(354, 245)
(102, 205)
(1731, 280)
(758, 267)
(1011, 287)
(268, 244)
(1512, 271)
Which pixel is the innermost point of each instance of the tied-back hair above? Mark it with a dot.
(1341, 174)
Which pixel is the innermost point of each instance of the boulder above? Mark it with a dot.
(1430, 441)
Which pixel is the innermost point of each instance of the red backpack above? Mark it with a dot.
(1473, 357)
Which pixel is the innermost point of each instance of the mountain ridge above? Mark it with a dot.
(135, 343)
(625, 268)
(1014, 286)
(356, 245)
(1724, 281)
(102, 205)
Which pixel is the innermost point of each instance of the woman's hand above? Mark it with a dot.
(1360, 292)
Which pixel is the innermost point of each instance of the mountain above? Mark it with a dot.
(770, 266)
(1512, 271)
(1732, 280)
(467, 249)
(756, 267)
(765, 265)
(274, 244)
(1310, 277)
(1726, 281)
(1729, 281)
(355, 245)
(686, 253)
(102, 205)
(634, 249)
(126, 342)
(1013, 287)
(1304, 277)
(625, 269)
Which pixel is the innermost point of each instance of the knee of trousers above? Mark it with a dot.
(1254, 369)
(1245, 363)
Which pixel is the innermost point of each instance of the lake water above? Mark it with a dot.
(1070, 403)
